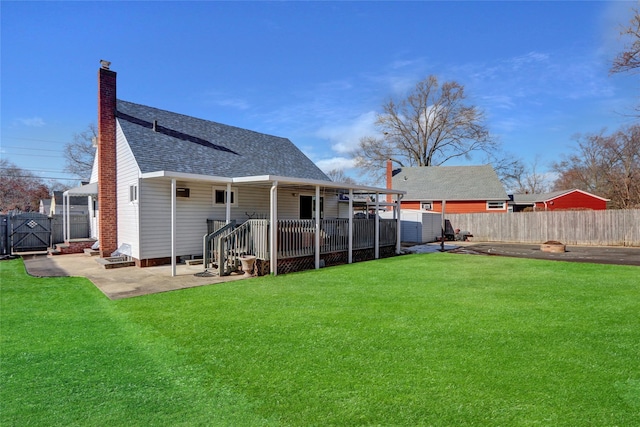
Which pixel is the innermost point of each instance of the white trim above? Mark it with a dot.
(377, 228)
(317, 239)
(134, 195)
(273, 238)
(350, 256)
(502, 208)
(185, 176)
(173, 226)
(228, 196)
(226, 189)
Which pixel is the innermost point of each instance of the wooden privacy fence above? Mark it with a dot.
(604, 228)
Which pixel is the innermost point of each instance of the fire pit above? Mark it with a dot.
(553, 246)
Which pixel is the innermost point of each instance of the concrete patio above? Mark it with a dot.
(119, 283)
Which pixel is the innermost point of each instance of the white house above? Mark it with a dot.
(163, 181)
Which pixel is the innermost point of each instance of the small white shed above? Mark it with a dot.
(418, 226)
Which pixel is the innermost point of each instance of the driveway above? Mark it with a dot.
(620, 255)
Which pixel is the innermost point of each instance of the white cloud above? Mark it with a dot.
(339, 163)
(222, 100)
(237, 103)
(345, 137)
(36, 122)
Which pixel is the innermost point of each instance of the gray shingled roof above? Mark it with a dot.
(449, 183)
(190, 145)
(532, 198)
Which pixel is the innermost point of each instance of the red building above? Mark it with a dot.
(558, 200)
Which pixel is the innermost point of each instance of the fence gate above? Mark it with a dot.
(30, 232)
(4, 235)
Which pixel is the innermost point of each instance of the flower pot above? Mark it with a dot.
(247, 262)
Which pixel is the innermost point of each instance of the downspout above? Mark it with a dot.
(64, 218)
(377, 228)
(228, 204)
(273, 230)
(173, 227)
(317, 240)
(350, 256)
(398, 213)
(67, 209)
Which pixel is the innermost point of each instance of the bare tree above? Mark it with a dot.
(429, 127)
(337, 175)
(606, 165)
(528, 179)
(20, 189)
(79, 154)
(629, 59)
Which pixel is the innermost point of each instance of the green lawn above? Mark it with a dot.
(435, 339)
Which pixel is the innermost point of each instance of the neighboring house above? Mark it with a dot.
(162, 181)
(464, 189)
(558, 200)
(45, 206)
(77, 205)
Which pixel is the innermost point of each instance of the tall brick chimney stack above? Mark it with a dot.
(107, 202)
(389, 178)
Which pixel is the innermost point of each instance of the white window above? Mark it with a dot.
(133, 193)
(496, 206)
(426, 206)
(220, 196)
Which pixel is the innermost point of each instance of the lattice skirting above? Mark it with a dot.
(291, 265)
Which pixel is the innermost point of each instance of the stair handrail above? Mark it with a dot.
(210, 243)
(248, 238)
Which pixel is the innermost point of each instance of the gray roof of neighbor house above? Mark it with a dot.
(449, 183)
(186, 144)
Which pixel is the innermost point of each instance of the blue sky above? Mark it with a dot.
(314, 72)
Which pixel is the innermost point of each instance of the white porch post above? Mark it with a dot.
(273, 230)
(64, 217)
(317, 242)
(350, 256)
(377, 228)
(68, 210)
(228, 204)
(398, 214)
(443, 224)
(173, 227)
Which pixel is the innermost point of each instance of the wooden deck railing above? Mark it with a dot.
(296, 238)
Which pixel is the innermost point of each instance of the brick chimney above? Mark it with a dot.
(107, 201)
(389, 178)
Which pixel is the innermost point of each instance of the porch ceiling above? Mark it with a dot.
(266, 181)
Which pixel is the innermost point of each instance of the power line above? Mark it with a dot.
(37, 170)
(35, 139)
(41, 177)
(29, 149)
(33, 155)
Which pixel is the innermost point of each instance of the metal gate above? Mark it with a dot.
(29, 232)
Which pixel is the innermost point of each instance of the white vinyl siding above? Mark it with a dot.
(193, 212)
(94, 169)
(128, 213)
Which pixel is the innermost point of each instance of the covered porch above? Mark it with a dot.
(296, 244)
